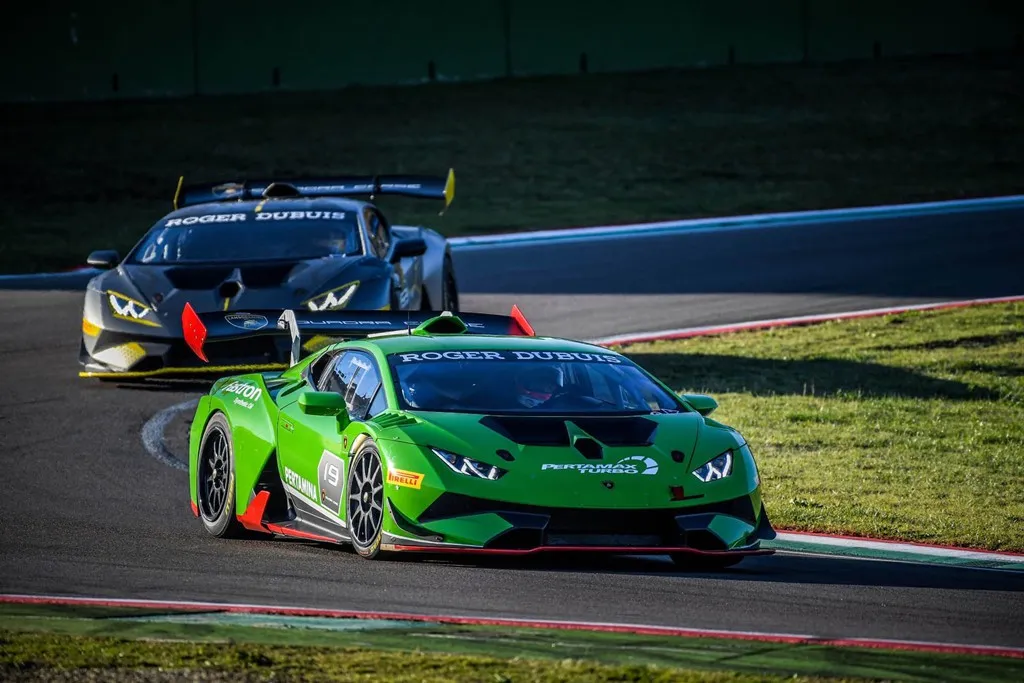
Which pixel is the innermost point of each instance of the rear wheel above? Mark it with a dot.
(705, 563)
(215, 480)
(365, 505)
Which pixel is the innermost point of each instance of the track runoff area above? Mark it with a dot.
(156, 446)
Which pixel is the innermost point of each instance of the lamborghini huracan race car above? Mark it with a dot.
(466, 434)
(237, 246)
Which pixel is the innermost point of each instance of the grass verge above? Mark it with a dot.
(121, 644)
(535, 153)
(907, 426)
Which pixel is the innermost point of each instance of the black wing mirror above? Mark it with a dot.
(104, 258)
(415, 246)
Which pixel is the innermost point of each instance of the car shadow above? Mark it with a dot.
(812, 377)
(781, 568)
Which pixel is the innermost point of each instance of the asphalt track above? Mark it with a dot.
(85, 511)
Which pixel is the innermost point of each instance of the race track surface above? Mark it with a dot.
(86, 511)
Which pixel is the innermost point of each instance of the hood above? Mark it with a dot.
(628, 461)
(266, 285)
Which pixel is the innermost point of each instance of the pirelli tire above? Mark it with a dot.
(215, 480)
(364, 504)
(449, 288)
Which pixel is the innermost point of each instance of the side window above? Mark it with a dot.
(357, 379)
(380, 235)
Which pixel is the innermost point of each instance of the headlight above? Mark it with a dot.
(468, 466)
(719, 468)
(127, 308)
(336, 298)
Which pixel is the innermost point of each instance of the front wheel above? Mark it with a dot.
(215, 480)
(366, 501)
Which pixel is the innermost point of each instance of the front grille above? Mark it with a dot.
(656, 526)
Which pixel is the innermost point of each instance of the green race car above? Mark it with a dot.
(465, 434)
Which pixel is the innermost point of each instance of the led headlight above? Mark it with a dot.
(127, 308)
(719, 468)
(468, 466)
(334, 299)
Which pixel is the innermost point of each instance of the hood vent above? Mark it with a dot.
(551, 431)
(198, 277)
(529, 431)
(590, 449)
(209, 277)
(618, 431)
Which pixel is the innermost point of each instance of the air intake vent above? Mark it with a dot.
(590, 449)
(529, 431)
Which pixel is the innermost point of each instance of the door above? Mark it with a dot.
(312, 453)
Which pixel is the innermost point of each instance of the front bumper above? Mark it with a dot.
(111, 354)
(733, 527)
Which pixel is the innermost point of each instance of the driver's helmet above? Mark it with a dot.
(537, 383)
(427, 391)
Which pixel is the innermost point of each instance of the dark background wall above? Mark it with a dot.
(93, 49)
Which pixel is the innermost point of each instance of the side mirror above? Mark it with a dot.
(415, 246)
(702, 403)
(323, 403)
(104, 258)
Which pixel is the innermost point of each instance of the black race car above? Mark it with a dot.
(311, 244)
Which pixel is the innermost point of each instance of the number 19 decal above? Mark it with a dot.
(332, 481)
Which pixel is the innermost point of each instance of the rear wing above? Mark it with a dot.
(201, 329)
(419, 186)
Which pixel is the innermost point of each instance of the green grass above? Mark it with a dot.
(118, 659)
(46, 639)
(908, 426)
(529, 154)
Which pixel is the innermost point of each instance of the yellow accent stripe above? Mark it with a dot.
(239, 369)
(227, 302)
(90, 329)
(385, 307)
(177, 192)
(259, 207)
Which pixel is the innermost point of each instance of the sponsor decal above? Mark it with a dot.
(300, 483)
(508, 355)
(633, 464)
(410, 480)
(247, 321)
(300, 215)
(246, 394)
(331, 473)
(207, 218)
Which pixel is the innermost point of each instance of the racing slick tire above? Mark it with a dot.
(449, 289)
(215, 480)
(365, 503)
(704, 563)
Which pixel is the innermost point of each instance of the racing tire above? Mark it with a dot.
(364, 505)
(215, 480)
(704, 563)
(449, 289)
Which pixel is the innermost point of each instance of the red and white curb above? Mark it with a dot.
(709, 330)
(637, 629)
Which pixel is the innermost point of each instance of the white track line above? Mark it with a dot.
(153, 434)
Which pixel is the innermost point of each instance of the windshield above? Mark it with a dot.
(292, 235)
(525, 382)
